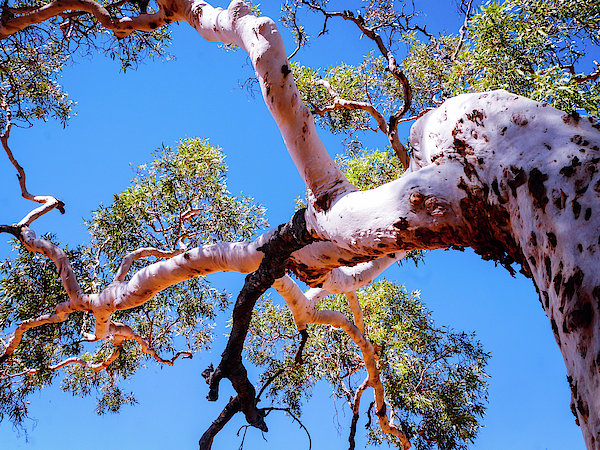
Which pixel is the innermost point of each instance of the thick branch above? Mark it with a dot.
(287, 239)
(139, 254)
(230, 410)
(261, 39)
(122, 27)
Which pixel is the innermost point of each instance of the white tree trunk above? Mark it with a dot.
(518, 181)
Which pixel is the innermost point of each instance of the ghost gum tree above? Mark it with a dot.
(498, 172)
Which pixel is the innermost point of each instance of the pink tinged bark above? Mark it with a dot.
(261, 39)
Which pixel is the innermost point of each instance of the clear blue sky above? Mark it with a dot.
(121, 118)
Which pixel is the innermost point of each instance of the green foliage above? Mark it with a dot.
(149, 212)
(29, 287)
(152, 211)
(370, 169)
(530, 47)
(29, 70)
(31, 60)
(434, 377)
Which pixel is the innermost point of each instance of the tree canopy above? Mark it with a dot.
(433, 377)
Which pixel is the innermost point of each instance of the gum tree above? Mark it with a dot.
(494, 171)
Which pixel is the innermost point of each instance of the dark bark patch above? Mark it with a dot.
(583, 409)
(580, 140)
(153, 25)
(580, 317)
(285, 70)
(425, 235)
(548, 147)
(571, 118)
(557, 282)
(597, 186)
(559, 199)
(551, 239)
(519, 179)
(576, 208)
(519, 120)
(496, 191)
(537, 189)
(588, 214)
(532, 261)
(323, 202)
(503, 130)
(581, 186)
(596, 295)
(580, 248)
(533, 239)
(569, 170)
(548, 265)
(186, 255)
(555, 331)
(546, 299)
(476, 116)
(402, 224)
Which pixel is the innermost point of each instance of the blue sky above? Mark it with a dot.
(122, 118)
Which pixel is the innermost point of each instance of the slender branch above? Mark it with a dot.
(393, 68)
(356, 412)
(304, 311)
(293, 416)
(120, 332)
(592, 76)
(341, 103)
(49, 202)
(62, 313)
(462, 32)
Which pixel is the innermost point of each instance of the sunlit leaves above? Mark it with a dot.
(31, 60)
(181, 196)
(536, 48)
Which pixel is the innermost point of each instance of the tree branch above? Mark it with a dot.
(304, 311)
(356, 412)
(285, 240)
(122, 27)
(393, 68)
(49, 202)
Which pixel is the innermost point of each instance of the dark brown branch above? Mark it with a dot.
(293, 416)
(230, 410)
(268, 382)
(303, 339)
(591, 77)
(288, 238)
